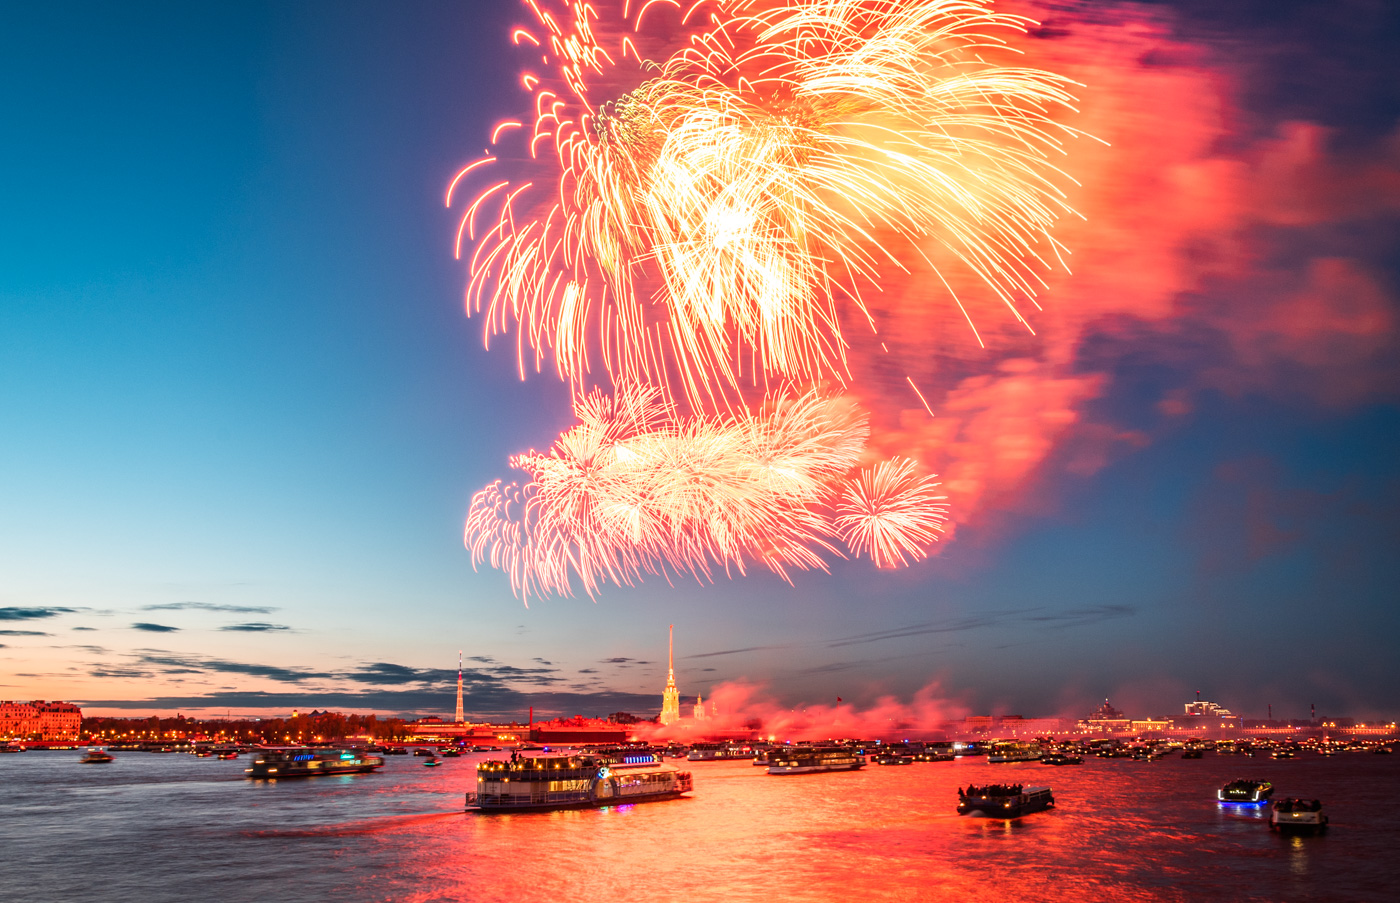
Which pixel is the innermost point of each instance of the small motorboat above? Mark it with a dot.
(227, 754)
(894, 759)
(1193, 754)
(1061, 759)
(1295, 816)
(433, 762)
(96, 757)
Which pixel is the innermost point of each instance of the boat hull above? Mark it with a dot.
(1006, 807)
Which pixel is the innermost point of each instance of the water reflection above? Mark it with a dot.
(169, 826)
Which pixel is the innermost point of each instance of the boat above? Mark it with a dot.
(1244, 792)
(305, 761)
(1061, 759)
(705, 752)
(929, 755)
(11, 748)
(1193, 754)
(420, 751)
(449, 752)
(813, 759)
(396, 751)
(1297, 816)
(892, 758)
(1013, 752)
(433, 762)
(1004, 800)
(227, 754)
(539, 783)
(96, 757)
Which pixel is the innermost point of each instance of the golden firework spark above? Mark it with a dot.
(719, 223)
(633, 489)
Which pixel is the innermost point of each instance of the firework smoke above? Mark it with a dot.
(633, 490)
(739, 706)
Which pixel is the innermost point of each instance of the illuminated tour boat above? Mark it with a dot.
(1297, 816)
(1244, 792)
(96, 757)
(1003, 801)
(813, 759)
(305, 761)
(1013, 752)
(575, 782)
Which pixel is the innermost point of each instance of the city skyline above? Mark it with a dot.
(245, 412)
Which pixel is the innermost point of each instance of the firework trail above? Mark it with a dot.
(700, 228)
(713, 219)
(633, 490)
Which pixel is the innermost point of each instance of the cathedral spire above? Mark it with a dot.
(671, 698)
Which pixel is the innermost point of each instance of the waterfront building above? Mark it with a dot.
(1106, 719)
(39, 720)
(671, 697)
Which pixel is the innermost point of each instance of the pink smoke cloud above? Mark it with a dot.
(1182, 245)
(737, 707)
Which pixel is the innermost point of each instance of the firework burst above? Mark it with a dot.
(633, 489)
(713, 218)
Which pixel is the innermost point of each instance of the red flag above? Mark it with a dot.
(838, 698)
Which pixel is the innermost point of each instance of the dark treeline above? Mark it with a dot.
(309, 728)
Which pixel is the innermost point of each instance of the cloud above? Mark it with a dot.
(1074, 617)
(1078, 617)
(737, 651)
(211, 606)
(495, 703)
(83, 628)
(255, 627)
(616, 660)
(23, 633)
(153, 628)
(11, 613)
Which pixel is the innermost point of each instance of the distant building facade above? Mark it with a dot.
(40, 720)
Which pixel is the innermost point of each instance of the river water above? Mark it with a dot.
(151, 828)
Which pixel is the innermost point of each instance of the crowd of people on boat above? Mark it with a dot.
(1298, 806)
(991, 790)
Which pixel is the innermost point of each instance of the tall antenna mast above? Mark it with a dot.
(460, 716)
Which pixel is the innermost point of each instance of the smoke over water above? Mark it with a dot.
(739, 707)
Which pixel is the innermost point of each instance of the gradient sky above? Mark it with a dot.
(242, 412)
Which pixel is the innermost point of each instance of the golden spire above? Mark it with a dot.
(671, 698)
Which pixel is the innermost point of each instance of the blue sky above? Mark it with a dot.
(236, 378)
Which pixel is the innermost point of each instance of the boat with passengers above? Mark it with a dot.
(814, 759)
(1244, 792)
(1004, 800)
(1295, 816)
(309, 761)
(524, 783)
